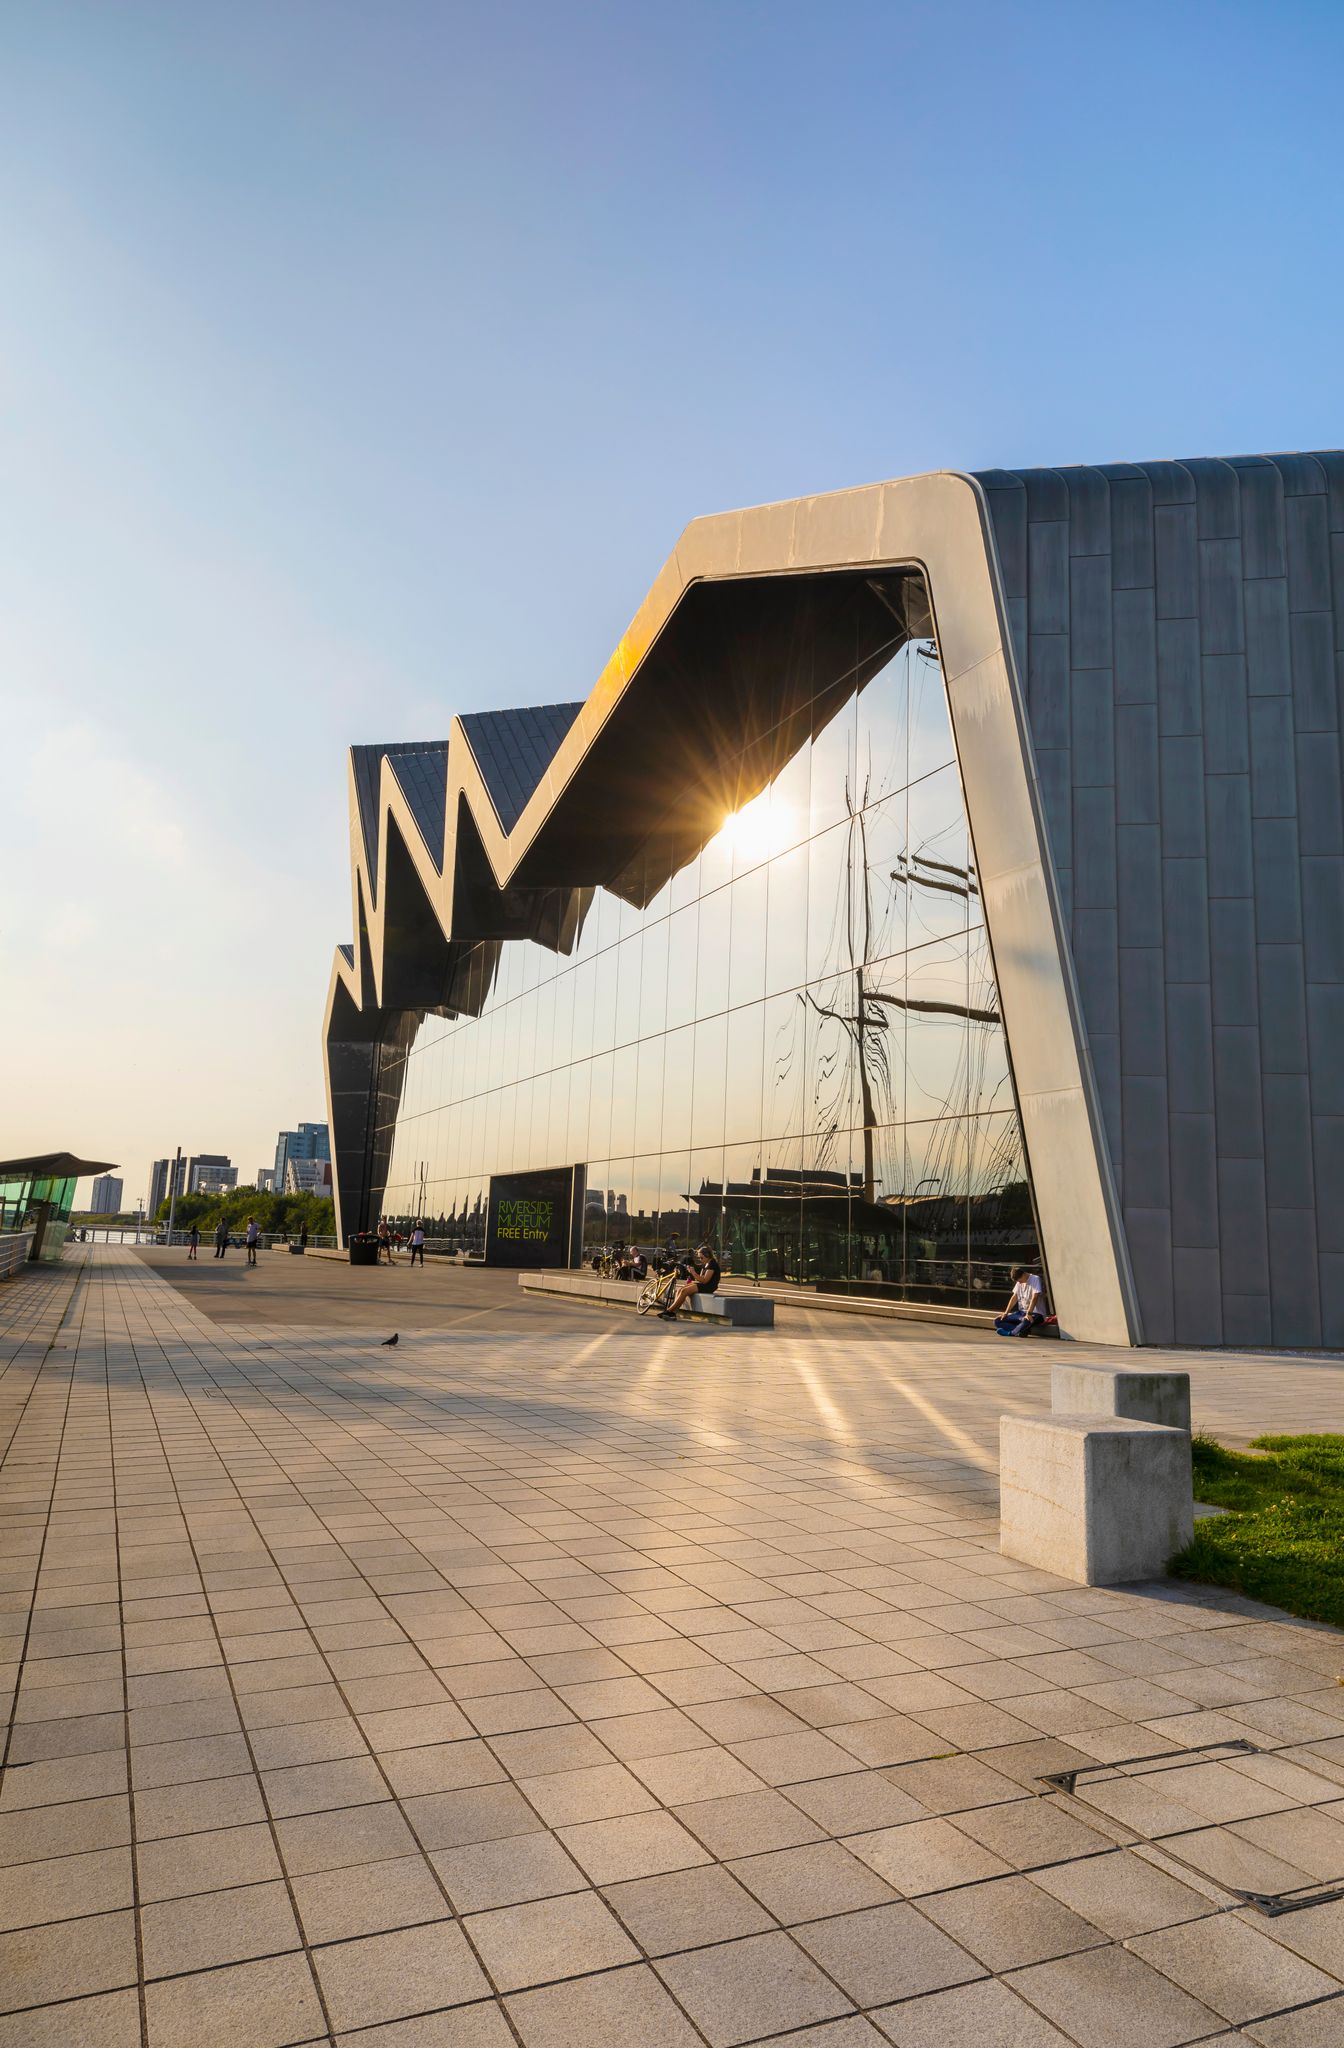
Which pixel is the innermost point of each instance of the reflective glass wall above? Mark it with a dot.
(794, 1047)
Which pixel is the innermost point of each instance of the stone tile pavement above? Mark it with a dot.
(583, 1688)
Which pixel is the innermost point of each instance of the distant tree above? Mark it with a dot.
(275, 1214)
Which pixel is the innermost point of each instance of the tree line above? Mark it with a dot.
(277, 1213)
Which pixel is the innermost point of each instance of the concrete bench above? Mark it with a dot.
(731, 1311)
(1122, 1390)
(1099, 1499)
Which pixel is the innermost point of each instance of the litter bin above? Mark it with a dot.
(364, 1249)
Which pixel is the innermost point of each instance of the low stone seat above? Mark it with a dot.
(736, 1311)
(743, 1311)
(1099, 1499)
(1137, 1395)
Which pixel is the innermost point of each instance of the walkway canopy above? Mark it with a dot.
(37, 1194)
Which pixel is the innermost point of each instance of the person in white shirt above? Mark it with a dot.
(1025, 1305)
(418, 1244)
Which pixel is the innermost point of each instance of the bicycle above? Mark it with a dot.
(658, 1292)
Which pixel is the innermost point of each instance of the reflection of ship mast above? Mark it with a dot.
(868, 1020)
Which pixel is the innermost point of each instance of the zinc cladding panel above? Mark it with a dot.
(1198, 727)
(513, 750)
(422, 772)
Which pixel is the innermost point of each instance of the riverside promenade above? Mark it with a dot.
(551, 1679)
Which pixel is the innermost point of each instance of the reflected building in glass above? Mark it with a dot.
(851, 923)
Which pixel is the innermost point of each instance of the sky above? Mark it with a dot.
(360, 364)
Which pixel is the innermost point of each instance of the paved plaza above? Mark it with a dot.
(559, 1680)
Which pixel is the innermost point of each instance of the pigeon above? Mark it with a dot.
(392, 1339)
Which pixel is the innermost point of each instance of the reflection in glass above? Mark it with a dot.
(683, 942)
(936, 869)
(786, 922)
(711, 953)
(624, 1081)
(649, 1096)
(746, 958)
(742, 1104)
(708, 1092)
(936, 1036)
(653, 979)
(795, 1045)
(678, 1084)
(785, 1087)
(883, 730)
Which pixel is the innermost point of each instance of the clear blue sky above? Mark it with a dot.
(361, 363)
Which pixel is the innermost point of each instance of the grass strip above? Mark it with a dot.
(1282, 1540)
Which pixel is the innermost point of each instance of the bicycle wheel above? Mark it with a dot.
(647, 1298)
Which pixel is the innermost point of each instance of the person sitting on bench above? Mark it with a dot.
(702, 1277)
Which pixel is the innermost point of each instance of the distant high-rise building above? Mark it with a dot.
(310, 1141)
(265, 1180)
(211, 1173)
(307, 1177)
(106, 1197)
(160, 1173)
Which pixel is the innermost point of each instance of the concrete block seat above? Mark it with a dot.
(1123, 1390)
(731, 1310)
(1096, 1498)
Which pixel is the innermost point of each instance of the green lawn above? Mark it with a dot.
(1283, 1541)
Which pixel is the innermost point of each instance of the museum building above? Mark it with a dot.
(942, 874)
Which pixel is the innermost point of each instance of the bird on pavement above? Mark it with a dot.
(392, 1339)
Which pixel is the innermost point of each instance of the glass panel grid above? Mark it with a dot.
(796, 1047)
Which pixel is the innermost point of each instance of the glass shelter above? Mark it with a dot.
(37, 1194)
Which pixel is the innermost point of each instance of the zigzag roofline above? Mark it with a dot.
(768, 540)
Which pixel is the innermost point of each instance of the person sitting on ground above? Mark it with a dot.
(1026, 1305)
(637, 1267)
(702, 1277)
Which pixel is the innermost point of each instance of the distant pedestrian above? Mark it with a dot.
(193, 1241)
(384, 1239)
(418, 1243)
(303, 1237)
(221, 1238)
(252, 1234)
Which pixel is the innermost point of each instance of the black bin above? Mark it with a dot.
(364, 1249)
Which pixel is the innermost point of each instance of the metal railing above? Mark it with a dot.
(15, 1246)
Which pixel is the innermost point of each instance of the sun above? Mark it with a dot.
(759, 830)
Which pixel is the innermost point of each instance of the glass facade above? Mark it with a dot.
(793, 1045)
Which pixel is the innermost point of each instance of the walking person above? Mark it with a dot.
(303, 1237)
(252, 1234)
(1026, 1305)
(221, 1238)
(193, 1242)
(384, 1239)
(418, 1243)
